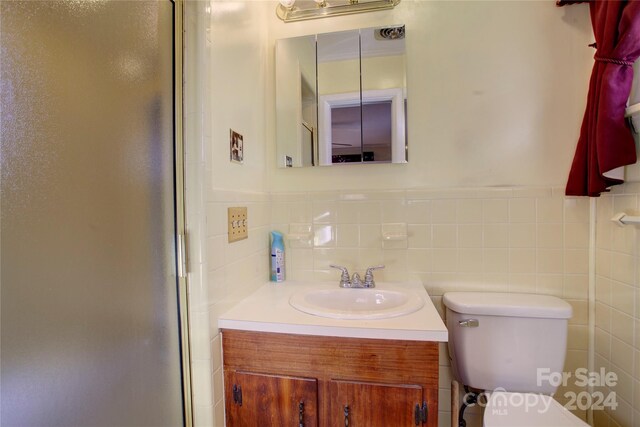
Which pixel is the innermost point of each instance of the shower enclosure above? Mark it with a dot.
(92, 313)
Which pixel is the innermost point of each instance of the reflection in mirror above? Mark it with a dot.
(339, 115)
(296, 102)
(360, 103)
(383, 94)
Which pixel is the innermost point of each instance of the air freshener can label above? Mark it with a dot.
(277, 265)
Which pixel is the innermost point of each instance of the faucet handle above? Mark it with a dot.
(368, 276)
(355, 281)
(345, 282)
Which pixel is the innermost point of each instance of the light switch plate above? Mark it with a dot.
(237, 221)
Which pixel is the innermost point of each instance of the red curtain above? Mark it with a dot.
(606, 142)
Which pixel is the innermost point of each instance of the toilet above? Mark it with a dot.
(498, 342)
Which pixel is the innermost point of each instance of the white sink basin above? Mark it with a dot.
(356, 304)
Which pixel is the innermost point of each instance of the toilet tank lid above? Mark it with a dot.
(507, 304)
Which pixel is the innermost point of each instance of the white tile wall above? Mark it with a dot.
(520, 240)
(195, 140)
(490, 242)
(228, 273)
(219, 33)
(617, 334)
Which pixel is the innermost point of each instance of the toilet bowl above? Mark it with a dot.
(527, 410)
(498, 342)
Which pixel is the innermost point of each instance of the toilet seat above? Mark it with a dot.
(527, 410)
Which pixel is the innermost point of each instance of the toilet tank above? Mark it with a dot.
(506, 340)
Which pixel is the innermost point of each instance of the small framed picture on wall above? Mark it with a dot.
(236, 147)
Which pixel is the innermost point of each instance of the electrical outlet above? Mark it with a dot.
(238, 224)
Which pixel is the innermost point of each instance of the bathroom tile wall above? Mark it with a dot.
(230, 272)
(525, 239)
(617, 333)
(197, 134)
(617, 310)
(235, 269)
(529, 239)
(493, 239)
(237, 77)
(224, 89)
(468, 127)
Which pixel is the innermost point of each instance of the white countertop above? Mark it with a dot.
(268, 310)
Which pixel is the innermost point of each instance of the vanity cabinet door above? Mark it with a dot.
(257, 400)
(374, 405)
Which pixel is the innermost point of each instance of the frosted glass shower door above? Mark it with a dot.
(89, 308)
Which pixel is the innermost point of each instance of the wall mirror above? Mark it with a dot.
(341, 98)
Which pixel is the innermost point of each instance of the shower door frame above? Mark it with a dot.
(181, 251)
(178, 256)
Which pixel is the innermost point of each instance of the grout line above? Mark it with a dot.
(592, 296)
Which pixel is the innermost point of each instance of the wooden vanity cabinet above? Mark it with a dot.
(270, 400)
(374, 405)
(339, 381)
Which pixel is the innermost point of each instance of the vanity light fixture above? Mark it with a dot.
(299, 10)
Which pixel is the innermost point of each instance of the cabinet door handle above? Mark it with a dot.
(301, 414)
(237, 394)
(421, 413)
(346, 416)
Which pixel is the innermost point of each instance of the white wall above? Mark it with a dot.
(238, 62)
(617, 339)
(197, 45)
(238, 86)
(225, 80)
(489, 240)
(496, 95)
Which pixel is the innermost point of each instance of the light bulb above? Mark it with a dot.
(287, 4)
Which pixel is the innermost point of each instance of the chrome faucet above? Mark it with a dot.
(355, 281)
(368, 276)
(345, 282)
